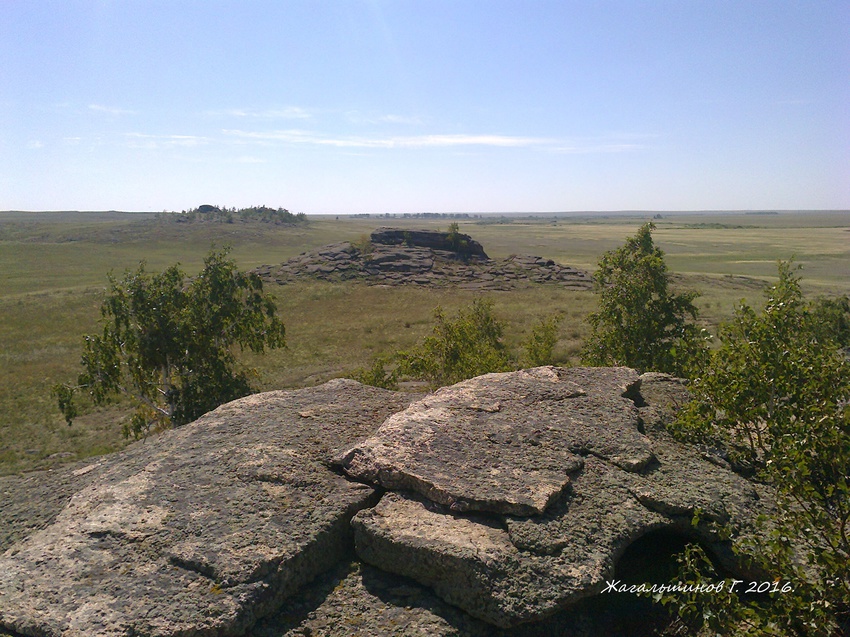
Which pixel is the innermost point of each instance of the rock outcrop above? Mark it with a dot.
(426, 258)
(558, 460)
(497, 506)
(505, 443)
(204, 529)
(457, 245)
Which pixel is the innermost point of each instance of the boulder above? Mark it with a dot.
(499, 506)
(359, 599)
(516, 493)
(505, 443)
(396, 259)
(204, 529)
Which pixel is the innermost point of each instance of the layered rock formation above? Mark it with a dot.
(424, 257)
(457, 245)
(498, 506)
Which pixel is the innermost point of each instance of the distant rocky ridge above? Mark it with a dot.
(423, 257)
(498, 506)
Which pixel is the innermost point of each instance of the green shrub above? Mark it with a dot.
(640, 322)
(775, 397)
(168, 343)
(468, 346)
(540, 346)
(377, 375)
(365, 246)
(832, 319)
(456, 240)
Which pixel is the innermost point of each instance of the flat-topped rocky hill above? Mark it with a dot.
(423, 257)
(498, 506)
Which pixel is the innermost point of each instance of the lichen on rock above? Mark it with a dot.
(511, 498)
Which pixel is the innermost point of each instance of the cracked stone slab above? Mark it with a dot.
(509, 569)
(506, 443)
(492, 570)
(359, 600)
(203, 529)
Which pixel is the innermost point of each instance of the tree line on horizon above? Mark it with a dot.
(223, 214)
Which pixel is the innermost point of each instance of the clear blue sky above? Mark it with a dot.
(430, 105)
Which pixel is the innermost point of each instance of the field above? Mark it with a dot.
(53, 269)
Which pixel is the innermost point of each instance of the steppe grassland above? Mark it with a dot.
(53, 273)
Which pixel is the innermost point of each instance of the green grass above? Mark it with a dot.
(359, 322)
(53, 270)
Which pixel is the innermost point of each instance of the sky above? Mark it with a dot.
(375, 106)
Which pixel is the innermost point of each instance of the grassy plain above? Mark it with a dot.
(53, 270)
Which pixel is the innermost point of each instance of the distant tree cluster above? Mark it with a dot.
(495, 221)
(439, 215)
(223, 214)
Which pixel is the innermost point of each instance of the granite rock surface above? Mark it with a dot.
(498, 506)
(201, 530)
(514, 495)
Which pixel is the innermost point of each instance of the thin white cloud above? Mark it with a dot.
(588, 148)
(153, 142)
(356, 117)
(605, 144)
(416, 141)
(290, 112)
(35, 144)
(247, 159)
(625, 143)
(468, 140)
(402, 119)
(109, 110)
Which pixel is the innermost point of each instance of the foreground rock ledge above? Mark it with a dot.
(513, 496)
(507, 445)
(204, 529)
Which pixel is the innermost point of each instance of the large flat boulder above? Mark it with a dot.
(505, 443)
(203, 529)
(395, 259)
(514, 495)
